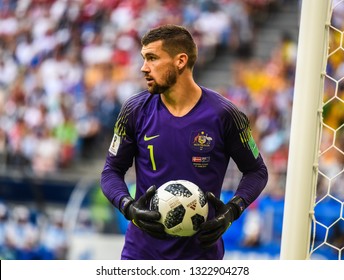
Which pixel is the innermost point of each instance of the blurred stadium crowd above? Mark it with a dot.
(23, 236)
(66, 66)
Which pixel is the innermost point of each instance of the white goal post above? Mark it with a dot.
(305, 131)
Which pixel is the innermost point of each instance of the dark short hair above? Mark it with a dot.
(175, 39)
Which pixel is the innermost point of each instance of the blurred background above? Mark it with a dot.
(66, 66)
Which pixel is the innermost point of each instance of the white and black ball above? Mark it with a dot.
(182, 205)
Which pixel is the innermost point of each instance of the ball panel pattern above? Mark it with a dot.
(174, 217)
(154, 204)
(178, 190)
(182, 205)
(202, 199)
(197, 220)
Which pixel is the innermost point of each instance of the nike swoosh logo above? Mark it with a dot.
(147, 138)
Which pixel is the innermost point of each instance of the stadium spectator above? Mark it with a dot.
(54, 238)
(3, 151)
(22, 235)
(6, 252)
(66, 134)
(47, 154)
(3, 223)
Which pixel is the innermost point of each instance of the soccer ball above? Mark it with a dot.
(182, 205)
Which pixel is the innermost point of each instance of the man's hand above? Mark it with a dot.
(147, 220)
(213, 229)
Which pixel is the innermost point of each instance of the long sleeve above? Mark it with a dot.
(245, 153)
(112, 182)
(120, 156)
(253, 182)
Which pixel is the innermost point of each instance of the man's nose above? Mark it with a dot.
(144, 68)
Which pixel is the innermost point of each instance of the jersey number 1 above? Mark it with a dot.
(151, 155)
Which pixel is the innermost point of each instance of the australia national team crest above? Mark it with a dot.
(201, 141)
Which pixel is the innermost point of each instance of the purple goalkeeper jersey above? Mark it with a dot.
(196, 147)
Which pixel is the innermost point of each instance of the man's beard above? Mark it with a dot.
(170, 78)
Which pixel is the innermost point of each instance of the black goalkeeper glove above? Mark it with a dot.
(225, 214)
(141, 216)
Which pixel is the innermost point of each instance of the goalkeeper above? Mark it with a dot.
(165, 130)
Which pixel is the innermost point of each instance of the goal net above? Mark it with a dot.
(313, 222)
(328, 218)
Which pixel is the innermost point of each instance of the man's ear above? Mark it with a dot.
(181, 61)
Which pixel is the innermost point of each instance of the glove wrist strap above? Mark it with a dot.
(124, 205)
(238, 205)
